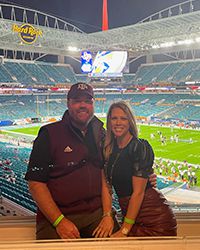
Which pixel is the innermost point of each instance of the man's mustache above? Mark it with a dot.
(83, 109)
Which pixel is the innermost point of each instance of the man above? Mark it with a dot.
(65, 170)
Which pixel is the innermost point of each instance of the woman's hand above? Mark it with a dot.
(153, 180)
(118, 234)
(105, 227)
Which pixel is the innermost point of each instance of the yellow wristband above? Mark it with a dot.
(58, 220)
(129, 221)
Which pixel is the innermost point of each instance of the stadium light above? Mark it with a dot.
(155, 46)
(167, 44)
(191, 82)
(171, 44)
(197, 39)
(185, 42)
(71, 48)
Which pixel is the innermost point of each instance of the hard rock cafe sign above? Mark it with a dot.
(27, 33)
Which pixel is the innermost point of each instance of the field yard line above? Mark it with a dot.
(179, 162)
(18, 133)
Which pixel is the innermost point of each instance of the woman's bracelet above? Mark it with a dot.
(107, 214)
(58, 220)
(129, 221)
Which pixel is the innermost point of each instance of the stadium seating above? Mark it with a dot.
(82, 78)
(151, 73)
(31, 73)
(42, 73)
(18, 72)
(13, 185)
(5, 75)
(147, 105)
(167, 72)
(68, 73)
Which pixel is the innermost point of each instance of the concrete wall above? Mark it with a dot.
(23, 228)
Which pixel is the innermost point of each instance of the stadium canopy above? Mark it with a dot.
(176, 28)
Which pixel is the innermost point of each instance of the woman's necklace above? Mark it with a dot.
(109, 177)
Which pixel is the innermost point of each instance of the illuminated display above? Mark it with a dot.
(86, 61)
(109, 62)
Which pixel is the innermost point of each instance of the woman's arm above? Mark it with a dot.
(106, 225)
(139, 185)
(106, 196)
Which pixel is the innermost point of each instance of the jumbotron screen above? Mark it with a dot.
(109, 62)
(86, 61)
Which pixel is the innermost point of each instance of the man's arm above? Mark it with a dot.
(40, 159)
(40, 193)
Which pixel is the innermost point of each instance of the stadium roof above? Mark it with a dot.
(166, 33)
(150, 37)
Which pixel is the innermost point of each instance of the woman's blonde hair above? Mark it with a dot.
(109, 140)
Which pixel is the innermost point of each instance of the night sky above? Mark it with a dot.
(87, 14)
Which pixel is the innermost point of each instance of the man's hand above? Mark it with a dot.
(67, 230)
(105, 227)
(153, 180)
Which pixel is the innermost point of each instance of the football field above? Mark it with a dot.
(186, 147)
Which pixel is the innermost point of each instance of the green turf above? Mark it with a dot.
(27, 130)
(183, 150)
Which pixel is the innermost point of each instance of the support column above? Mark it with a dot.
(149, 59)
(61, 59)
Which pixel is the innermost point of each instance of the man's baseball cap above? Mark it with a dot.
(80, 89)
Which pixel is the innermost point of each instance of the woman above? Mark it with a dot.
(129, 162)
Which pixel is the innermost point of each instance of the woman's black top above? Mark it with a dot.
(136, 159)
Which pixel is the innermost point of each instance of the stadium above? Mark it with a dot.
(164, 93)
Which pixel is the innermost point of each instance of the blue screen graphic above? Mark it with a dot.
(86, 61)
